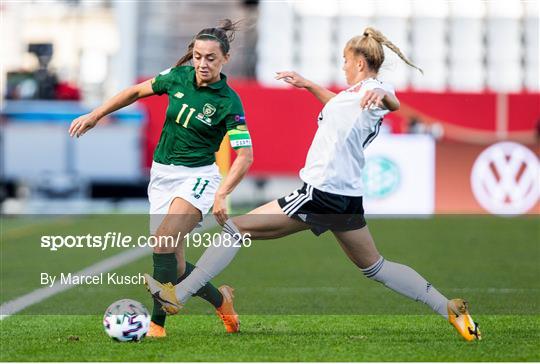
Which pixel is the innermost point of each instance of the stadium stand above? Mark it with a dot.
(463, 46)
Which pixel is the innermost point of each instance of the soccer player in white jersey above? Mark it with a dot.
(331, 197)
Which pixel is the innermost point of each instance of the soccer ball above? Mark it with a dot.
(126, 320)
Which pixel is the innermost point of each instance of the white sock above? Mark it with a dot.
(211, 263)
(408, 282)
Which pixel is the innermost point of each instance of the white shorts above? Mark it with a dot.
(197, 185)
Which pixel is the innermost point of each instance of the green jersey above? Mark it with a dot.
(197, 118)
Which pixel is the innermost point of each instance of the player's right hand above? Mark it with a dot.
(82, 124)
(220, 209)
(292, 78)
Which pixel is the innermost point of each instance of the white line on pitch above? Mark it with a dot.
(18, 304)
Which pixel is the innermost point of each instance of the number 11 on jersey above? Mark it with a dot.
(191, 111)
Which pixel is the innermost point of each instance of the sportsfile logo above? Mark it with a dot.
(117, 239)
(505, 179)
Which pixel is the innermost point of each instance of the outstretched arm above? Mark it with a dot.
(124, 98)
(293, 78)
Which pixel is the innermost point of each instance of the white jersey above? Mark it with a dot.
(336, 157)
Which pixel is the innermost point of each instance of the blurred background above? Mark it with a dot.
(466, 139)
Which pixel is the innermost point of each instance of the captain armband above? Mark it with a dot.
(239, 137)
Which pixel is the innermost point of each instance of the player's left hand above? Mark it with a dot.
(292, 78)
(220, 209)
(82, 124)
(373, 97)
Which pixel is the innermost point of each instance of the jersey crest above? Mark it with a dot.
(209, 110)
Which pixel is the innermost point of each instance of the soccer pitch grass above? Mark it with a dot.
(274, 338)
(299, 297)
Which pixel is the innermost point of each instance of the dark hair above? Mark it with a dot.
(223, 34)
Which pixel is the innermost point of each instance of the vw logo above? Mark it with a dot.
(505, 179)
(381, 177)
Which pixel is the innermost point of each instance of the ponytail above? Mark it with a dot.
(369, 45)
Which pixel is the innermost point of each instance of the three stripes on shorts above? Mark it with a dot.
(291, 207)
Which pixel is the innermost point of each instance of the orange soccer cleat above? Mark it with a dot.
(459, 317)
(156, 331)
(226, 311)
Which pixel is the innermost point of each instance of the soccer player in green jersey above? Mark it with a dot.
(185, 181)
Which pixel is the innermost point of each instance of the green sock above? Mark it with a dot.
(208, 292)
(165, 270)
